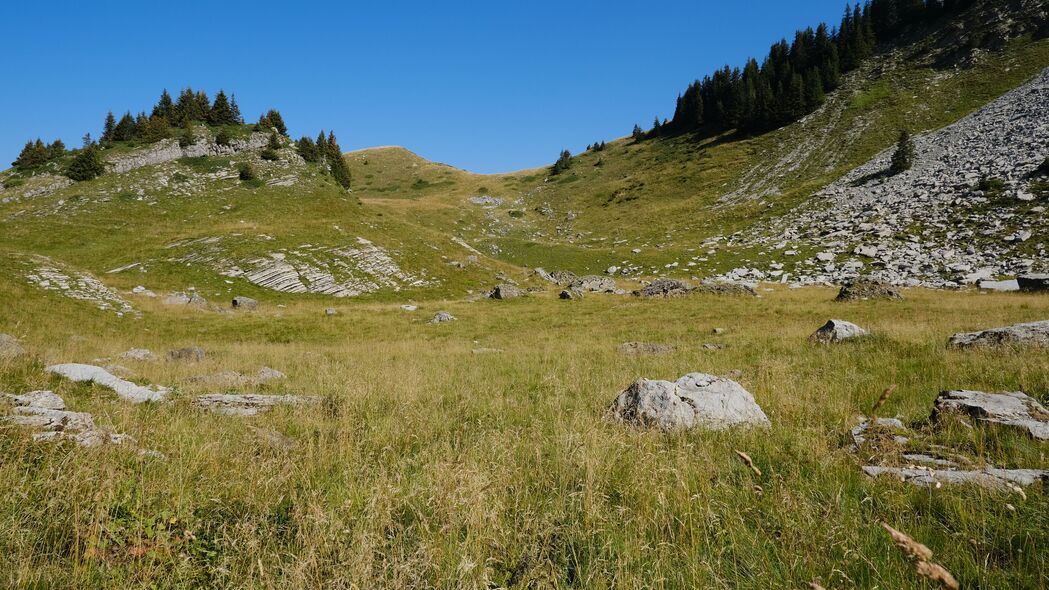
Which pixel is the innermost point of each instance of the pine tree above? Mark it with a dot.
(108, 128)
(203, 105)
(307, 149)
(903, 157)
(269, 153)
(220, 112)
(165, 108)
(339, 171)
(222, 138)
(87, 164)
(141, 125)
(276, 122)
(637, 134)
(56, 149)
(235, 110)
(125, 128)
(155, 129)
(188, 109)
(32, 155)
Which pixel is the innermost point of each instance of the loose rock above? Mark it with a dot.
(139, 354)
(664, 288)
(837, 331)
(505, 291)
(1033, 283)
(988, 477)
(442, 317)
(249, 404)
(192, 354)
(644, 348)
(245, 303)
(863, 289)
(695, 400)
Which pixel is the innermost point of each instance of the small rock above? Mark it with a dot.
(267, 374)
(10, 349)
(192, 354)
(442, 317)
(505, 291)
(568, 294)
(408, 307)
(644, 348)
(139, 354)
(837, 331)
(248, 404)
(244, 303)
(664, 288)
(330, 311)
(191, 298)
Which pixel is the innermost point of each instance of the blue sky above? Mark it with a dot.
(485, 86)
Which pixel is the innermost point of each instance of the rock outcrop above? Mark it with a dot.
(1014, 410)
(127, 390)
(863, 289)
(244, 303)
(45, 412)
(1033, 283)
(988, 477)
(249, 404)
(664, 288)
(695, 400)
(1033, 334)
(168, 150)
(593, 284)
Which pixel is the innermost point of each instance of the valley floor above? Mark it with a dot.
(476, 453)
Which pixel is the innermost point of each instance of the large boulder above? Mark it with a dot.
(505, 291)
(1033, 283)
(1014, 409)
(863, 289)
(837, 331)
(10, 348)
(1033, 334)
(593, 284)
(664, 288)
(695, 400)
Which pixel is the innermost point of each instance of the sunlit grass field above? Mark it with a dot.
(435, 462)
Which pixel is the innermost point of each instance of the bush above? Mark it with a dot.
(991, 187)
(87, 164)
(13, 182)
(222, 138)
(186, 139)
(269, 154)
(246, 171)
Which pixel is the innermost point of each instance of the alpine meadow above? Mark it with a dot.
(793, 333)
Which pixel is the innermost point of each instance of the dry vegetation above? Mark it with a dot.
(429, 465)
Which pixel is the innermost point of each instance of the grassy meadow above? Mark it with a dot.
(435, 462)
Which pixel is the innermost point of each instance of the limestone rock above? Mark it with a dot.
(1014, 409)
(45, 412)
(664, 288)
(442, 317)
(1035, 283)
(505, 291)
(863, 289)
(694, 400)
(568, 294)
(837, 331)
(644, 348)
(1032, 334)
(139, 354)
(713, 287)
(10, 348)
(125, 389)
(191, 354)
(249, 404)
(330, 311)
(563, 277)
(181, 298)
(593, 284)
(988, 477)
(245, 303)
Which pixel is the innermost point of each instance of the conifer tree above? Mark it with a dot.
(87, 164)
(903, 157)
(56, 149)
(155, 129)
(33, 154)
(203, 105)
(220, 112)
(108, 128)
(307, 149)
(188, 108)
(276, 122)
(165, 108)
(125, 128)
(235, 110)
(564, 162)
(637, 133)
(339, 171)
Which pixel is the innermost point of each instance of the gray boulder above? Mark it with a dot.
(1033, 334)
(139, 354)
(505, 291)
(563, 277)
(568, 294)
(10, 349)
(249, 404)
(442, 317)
(1033, 283)
(664, 288)
(1014, 409)
(695, 400)
(837, 331)
(245, 303)
(181, 298)
(863, 289)
(192, 354)
(593, 284)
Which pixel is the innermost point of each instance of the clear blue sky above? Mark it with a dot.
(485, 86)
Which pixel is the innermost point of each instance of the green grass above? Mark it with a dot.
(432, 466)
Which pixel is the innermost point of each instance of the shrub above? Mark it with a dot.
(13, 182)
(87, 164)
(269, 155)
(187, 138)
(246, 171)
(564, 162)
(992, 187)
(222, 138)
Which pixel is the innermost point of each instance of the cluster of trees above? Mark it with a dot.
(327, 152)
(192, 107)
(793, 79)
(36, 154)
(597, 146)
(564, 162)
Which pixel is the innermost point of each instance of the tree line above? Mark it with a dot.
(793, 78)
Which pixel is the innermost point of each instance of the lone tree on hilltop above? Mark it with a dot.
(903, 158)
